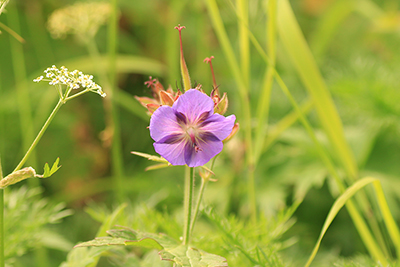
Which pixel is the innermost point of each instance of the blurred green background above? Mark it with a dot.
(356, 46)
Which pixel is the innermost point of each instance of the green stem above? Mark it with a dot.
(265, 98)
(188, 201)
(116, 150)
(199, 198)
(243, 90)
(40, 134)
(24, 101)
(2, 260)
(75, 95)
(204, 182)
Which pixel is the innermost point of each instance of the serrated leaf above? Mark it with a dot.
(170, 249)
(192, 257)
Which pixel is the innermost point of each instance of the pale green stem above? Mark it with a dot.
(24, 101)
(116, 150)
(75, 95)
(264, 100)
(188, 202)
(2, 260)
(244, 97)
(196, 209)
(40, 134)
(200, 196)
(242, 7)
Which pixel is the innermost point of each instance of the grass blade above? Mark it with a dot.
(391, 225)
(336, 207)
(303, 60)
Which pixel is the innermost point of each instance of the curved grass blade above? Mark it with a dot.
(336, 207)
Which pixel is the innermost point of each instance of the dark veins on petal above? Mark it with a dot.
(171, 139)
(208, 137)
(203, 116)
(181, 118)
(189, 153)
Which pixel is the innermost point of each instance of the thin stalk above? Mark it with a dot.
(188, 201)
(244, 44)
(24, 102)
(75, 95)
(2, 259)
(204, 182)
(265, 98)
(244, 97)
(199, 198)
(116, 150)
(40, 134)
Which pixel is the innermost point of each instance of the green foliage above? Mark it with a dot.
(27, 215)
(171, 250)
(49, 172)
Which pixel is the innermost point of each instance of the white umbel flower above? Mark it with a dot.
(72, 79)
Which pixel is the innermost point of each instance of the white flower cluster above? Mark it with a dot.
(83, 19)
(72, 79)
(3, 4)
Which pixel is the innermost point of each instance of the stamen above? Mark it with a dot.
(150, 82)
(208, 60)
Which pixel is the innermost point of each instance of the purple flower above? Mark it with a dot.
(189, 132)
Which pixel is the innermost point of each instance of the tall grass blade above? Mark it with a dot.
(264, 100)
(358, 220)
(387, 216)
(243, 92)
(330, 22)
(336, 207)
(303, 60)
(243, 24)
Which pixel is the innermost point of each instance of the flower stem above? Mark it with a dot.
(200, 197)
(188, 200)
(40, 134)
(204, 182)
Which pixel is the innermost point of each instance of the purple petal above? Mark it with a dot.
(218, 125)
(174, 152)
(208, 150)
(194, 103)
(163, 123)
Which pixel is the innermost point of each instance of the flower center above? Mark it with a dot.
(191, 133)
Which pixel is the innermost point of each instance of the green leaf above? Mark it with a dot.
(170, 249)
(49, 172)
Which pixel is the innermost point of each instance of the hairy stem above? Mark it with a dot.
(188, 201)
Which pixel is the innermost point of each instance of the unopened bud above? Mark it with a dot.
(235, 129)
